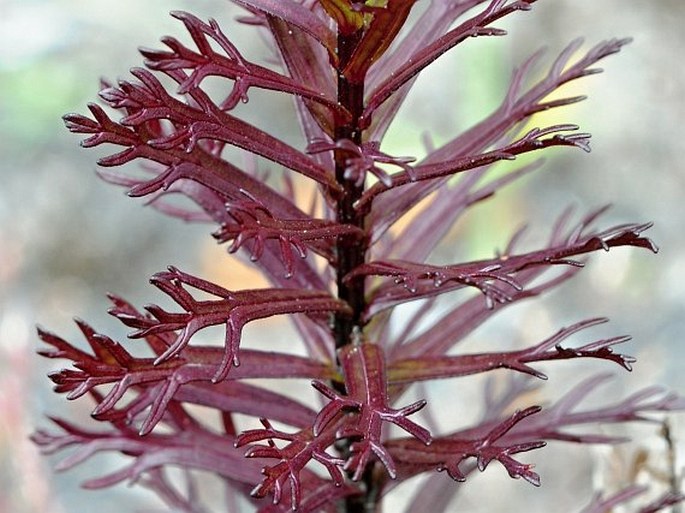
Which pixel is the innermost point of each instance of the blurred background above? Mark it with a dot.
(66, 237)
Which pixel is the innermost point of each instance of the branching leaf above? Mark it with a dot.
(302, 447)
(424, 280)
(252, 219)
(367, 395)
(446, 453)
(147, 101)
(232, 65)
(183, 378)
(519, 104)
(424, 368)
(535, 139)
(191, 447)
(232, 309)
(414, 64)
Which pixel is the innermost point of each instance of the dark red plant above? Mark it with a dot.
(338, 269)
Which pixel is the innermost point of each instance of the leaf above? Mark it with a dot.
(458, 322)
(191, 447)
(424, 368)
(600, 504)
(147, 101)
(466, 316)
(414, 64)
(302, 447)
(367, 395)
(216, 174)
(231, 65)
(378, 35)
(297, 16)
(252, 220)
(517, 106)
(307, 63)
(668, 499)
(532, 141)
(231, 309)
(487, 274)
(178, 379)
(447, 453)
(552, 423)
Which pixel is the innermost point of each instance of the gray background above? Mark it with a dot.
(66, 237)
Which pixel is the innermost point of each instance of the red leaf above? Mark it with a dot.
(232, 309)
(366, 394)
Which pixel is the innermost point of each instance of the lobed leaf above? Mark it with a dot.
(531, 141)
(476, 26)
(250, 219)
(447, 453)
(517, 106)
(231, 309)
(432, 367)
(147, 101)
(302, 447)
(297, 16)
(178, 379)
(366, 394)
(485, 274)
(231, 65)
(198, 166)
(191, 447)
(463, 318)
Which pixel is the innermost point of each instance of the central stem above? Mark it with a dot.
(350, 252)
